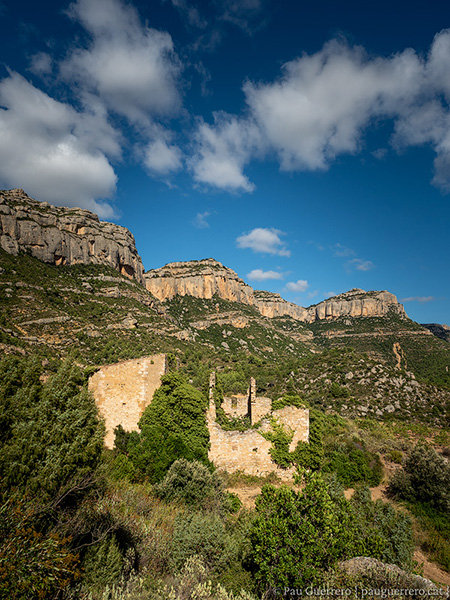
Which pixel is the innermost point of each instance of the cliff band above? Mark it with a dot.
(69, 236)
(206, 278)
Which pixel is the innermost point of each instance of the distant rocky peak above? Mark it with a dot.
(208, 277)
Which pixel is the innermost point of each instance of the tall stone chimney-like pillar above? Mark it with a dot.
(252, 399)
(211, 414)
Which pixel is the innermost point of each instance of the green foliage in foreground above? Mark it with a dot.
(297, 536)
(424, 483)
(194, 484)
(425, 478)
(49, 432)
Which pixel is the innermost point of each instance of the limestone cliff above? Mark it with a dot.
(204, 278)
(356, 303)
(201, 279)
(69, 236)
(273, 305)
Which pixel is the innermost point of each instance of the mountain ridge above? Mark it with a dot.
(206, 277)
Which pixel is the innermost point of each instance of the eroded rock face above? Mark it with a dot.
(201, 279)
(204, 278)
(355, 303)
(273, 305)
(70, 236)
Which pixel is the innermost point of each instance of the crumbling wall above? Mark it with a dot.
(236, 405)
(123, 390)
(249, 451)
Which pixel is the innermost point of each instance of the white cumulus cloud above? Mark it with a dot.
(297, 286)
(264, 240)
(162, 157)
(260, 275)
(131, 67)
(321, 105)
(222, 151)
(52, 151)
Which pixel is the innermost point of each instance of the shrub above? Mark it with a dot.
(196, 533)
(192, 483)
(353, 464)
(380, 530)
(51, 435)
(32, 565)
(289, 400)
(102, 564)
(173, 426)
(296, 535)
(425, 478)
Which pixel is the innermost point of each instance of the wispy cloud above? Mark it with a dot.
(342, 251)
(200, 220)
(360, 265)
(380, 153)
(260, 275)
(421, 299)
(265, 240)
(301, 285)
(330, 294)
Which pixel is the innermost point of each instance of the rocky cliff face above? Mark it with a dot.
(273, 305)
(356, 303)
(201, 279)
(204, 278)
(65, 235)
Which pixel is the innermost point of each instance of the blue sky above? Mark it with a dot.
(305, 147)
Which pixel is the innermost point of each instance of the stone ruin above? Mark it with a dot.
(123, 390)
(248, 451)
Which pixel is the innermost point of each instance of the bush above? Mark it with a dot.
(296, 535)
(192, 483)
(102, 564)
(32, 564)
(381, 531)
(289, 400)
(425, 478)
(353, 464)
(50, 433)
(200, 534)
(173, 426)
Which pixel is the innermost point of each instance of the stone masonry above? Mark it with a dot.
(248, 451)
(123, 390)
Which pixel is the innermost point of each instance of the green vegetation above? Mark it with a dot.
(173, 426)
(298, 536)
(152, 519)
(424, 483)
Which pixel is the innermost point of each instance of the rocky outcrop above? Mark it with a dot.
(69, 236)
(440, 331)
(206, 278)
(201, 279)
(356, 303)
(273, 305)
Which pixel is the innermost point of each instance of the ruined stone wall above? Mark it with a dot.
(236, 405)
(295, 419)
(249, 451)
(261, 407)
(123, 390)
